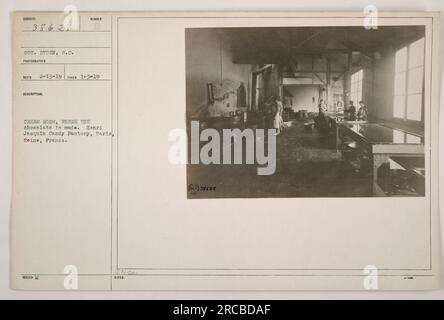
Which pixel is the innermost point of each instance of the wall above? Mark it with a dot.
(319, 65)
(206, 51)
(384, 70)
(302, 97)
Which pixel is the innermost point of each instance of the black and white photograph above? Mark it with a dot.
(283, 112)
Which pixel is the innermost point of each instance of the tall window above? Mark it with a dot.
(356, 87)
(409, 79)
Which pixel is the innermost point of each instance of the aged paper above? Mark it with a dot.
(225, 151)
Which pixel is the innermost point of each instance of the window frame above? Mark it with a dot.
(356, 86)
(408, 70)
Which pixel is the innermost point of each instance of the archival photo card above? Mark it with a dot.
(234, 151)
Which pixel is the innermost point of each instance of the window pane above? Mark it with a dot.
(414, 107)
(416, 54)
(399, 107)
(398, 136)
(400, 79)
(415, 80)
(356, 87)
(413, 139)
(401, 60)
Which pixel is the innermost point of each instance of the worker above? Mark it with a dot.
(322, 107)
(275, 114)
(280, 108)
(340, 105)
(321, 120)
(351, 111)
(270, 111)
(363, 111)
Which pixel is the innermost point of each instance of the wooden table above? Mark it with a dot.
(381, 142)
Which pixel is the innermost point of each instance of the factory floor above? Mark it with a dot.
(307, 165)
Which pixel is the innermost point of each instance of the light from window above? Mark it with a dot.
(409, 79)
(356, 87)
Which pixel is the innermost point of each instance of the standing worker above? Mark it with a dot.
(351, 111)
(363, 111)
(280, 108)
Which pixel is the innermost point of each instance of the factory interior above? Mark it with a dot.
(350, 103)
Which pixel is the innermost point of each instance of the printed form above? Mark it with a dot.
(100, 99)
(63, 85)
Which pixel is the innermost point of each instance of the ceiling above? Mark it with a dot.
(277, 45)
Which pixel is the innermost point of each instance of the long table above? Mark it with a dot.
(381, 142)
(333, 123)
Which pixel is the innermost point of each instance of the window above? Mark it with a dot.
(356, 87)
(409, 79)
